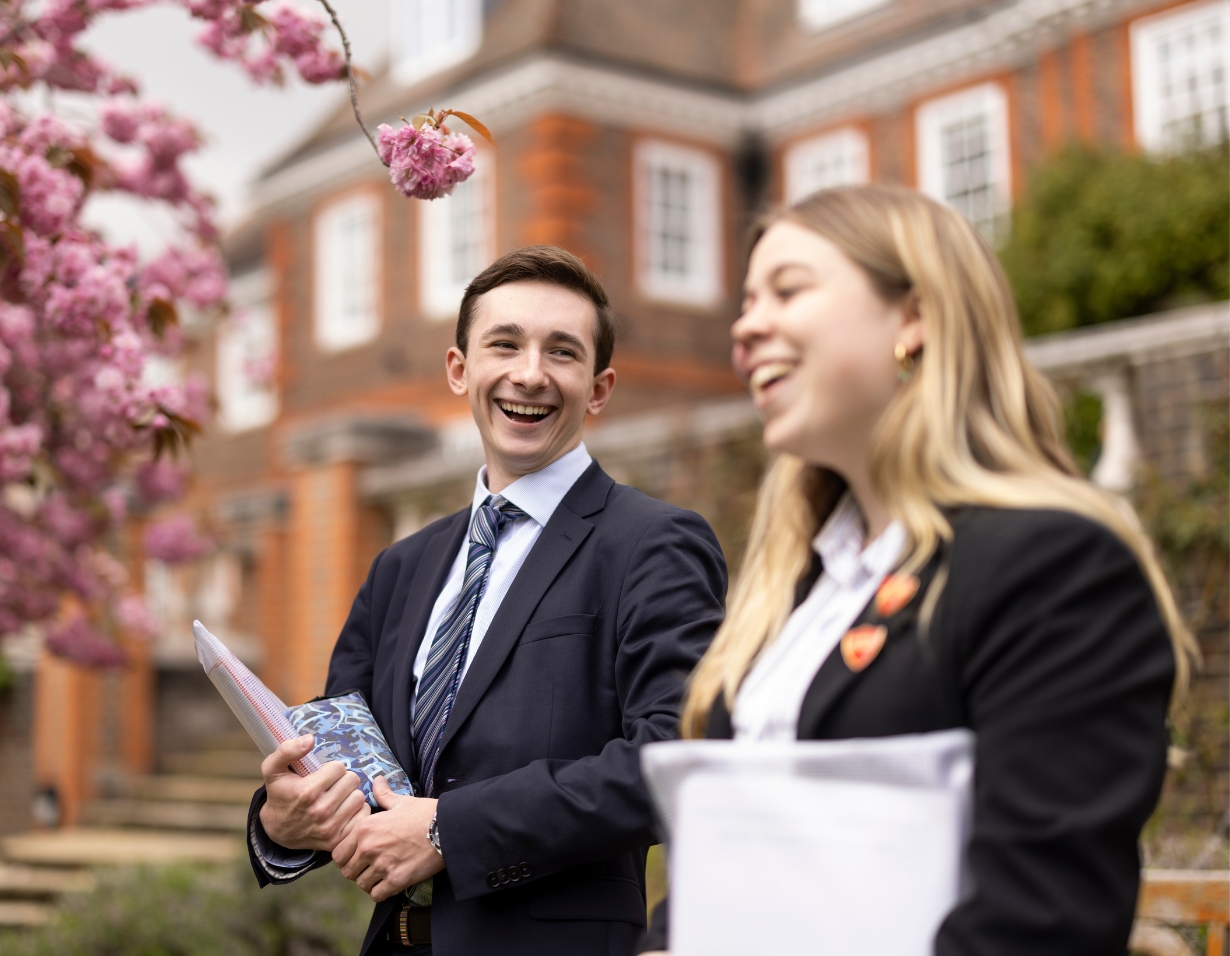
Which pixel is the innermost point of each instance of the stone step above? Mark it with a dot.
(18, 881)
(237, 790)
(98, 846)
(215, 763)
(167, 814)
(21, 914)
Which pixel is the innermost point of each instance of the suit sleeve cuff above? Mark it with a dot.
(280, 864)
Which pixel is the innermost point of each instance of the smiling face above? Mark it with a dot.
(528, 371)
(815, 344)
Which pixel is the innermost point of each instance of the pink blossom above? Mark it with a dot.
(18, 446)
(175, 540)
(133, 616)
(81, 642)
(197, 275)
(425, 163)
(161, 480)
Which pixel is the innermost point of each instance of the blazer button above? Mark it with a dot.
(493, 880)
(514, 874)
(526, 871)
(503, 876)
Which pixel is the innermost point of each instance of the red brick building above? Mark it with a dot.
(642, 135)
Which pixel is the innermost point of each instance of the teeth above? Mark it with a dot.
(764, 374)
(523, 409)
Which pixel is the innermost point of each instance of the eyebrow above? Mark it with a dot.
(513, 330)
(569, 339)
(508, 328)
(782, 268)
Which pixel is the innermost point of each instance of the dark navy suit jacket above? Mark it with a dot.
(543, 815)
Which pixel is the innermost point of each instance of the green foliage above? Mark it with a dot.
(1190, 526)
(1101, 236)
(1083, 418)
(203, 911)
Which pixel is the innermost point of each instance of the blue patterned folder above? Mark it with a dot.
(345, 730)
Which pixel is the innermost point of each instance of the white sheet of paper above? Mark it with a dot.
(814, 847)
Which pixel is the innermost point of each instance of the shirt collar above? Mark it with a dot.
(840, 546)
(539, 493)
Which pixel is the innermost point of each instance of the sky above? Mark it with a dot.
(246, 126)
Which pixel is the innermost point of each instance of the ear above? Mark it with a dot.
(913, 332)
(455, 370)
(604, 384)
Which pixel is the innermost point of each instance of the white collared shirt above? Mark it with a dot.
(771, 696)
(537, 494)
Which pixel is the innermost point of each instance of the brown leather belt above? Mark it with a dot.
(410, 926)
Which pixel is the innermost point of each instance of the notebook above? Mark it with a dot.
(343, 725)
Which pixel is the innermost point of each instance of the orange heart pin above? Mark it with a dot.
(895, 593)
(860, 645)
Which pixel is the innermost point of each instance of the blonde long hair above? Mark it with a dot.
(975, 425)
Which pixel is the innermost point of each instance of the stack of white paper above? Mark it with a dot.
(830, 847)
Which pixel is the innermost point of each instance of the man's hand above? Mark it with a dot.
(387, 852)
(312, 812)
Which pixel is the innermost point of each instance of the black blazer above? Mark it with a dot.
(544, 819)
(1047, 642)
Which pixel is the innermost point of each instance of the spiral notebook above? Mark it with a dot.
(343, 725)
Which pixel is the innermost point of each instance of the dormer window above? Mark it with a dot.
(816, 15)
(432, 35)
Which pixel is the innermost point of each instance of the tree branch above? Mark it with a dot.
(354, 95)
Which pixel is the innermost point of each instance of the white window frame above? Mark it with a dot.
(441, 286)
(1208, 20)
(431, 35)
(249, 332)
(934, 116)
(836, 158)
(701, 283)
(817, 15)
(341, 321)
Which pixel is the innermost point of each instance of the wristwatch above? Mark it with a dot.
(433, 836)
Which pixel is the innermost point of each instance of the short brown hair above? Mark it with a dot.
(554, 266)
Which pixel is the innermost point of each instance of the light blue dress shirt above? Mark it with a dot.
(537, 494)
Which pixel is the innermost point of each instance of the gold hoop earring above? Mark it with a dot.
(905, 362)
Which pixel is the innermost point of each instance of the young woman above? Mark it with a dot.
(925, 555)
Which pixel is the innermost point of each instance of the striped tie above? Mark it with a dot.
(442, 675)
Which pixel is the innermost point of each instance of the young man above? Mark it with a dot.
(516, 655)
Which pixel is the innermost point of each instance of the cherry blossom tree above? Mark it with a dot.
(81, 319)
(84, 430)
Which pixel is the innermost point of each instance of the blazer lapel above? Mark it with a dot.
(425, 586)
(559, 540)
(834, 678)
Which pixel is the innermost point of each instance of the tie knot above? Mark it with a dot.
(490, 519)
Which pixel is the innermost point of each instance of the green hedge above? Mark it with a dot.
(1101, 236)
(203, 911)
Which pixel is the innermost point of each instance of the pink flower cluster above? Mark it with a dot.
(425, 163)
(261, 41)
(81, 320)
(175, 540)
